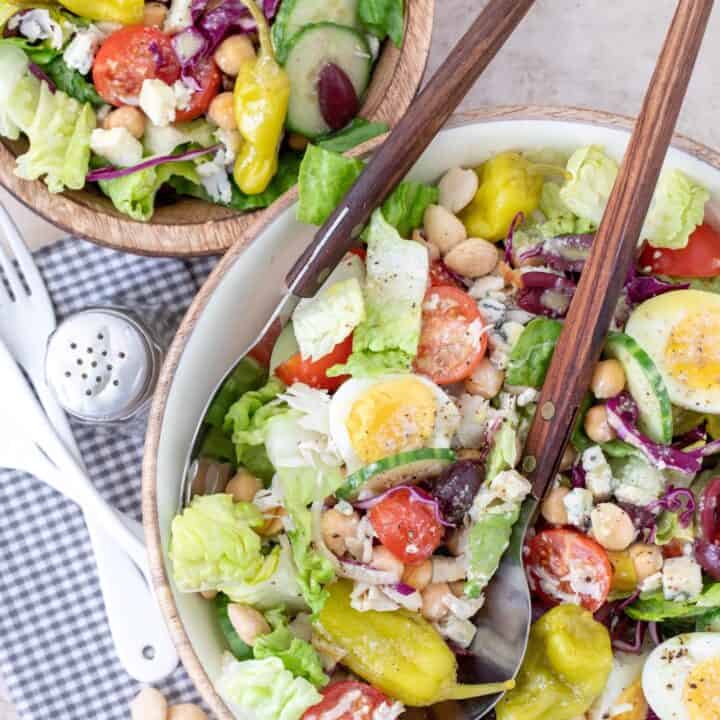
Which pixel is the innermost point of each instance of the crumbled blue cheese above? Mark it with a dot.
(637, 482)
(117, 146)
(510, 486)
(681, 579)
(652, 583)
(457, 630)
(526, 396)
(485, 286)
(598, 475)
(215, 180)
(501, 341)
(80, 52)
(183, 95)
(474, 415)
(158, 101)
(578, 505)
(231, 141)
(36, 25)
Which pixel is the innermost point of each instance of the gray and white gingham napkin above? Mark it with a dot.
(56, 652)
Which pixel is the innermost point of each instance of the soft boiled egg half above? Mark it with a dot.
(374, 418)
(680, 330)
(681, 678)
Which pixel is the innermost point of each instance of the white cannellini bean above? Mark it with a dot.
(486, 380)
(473, 258)
(248, 623)
(186, 711)
(148, 704)
(612, 527)
(553, 508)
(442, 228)
(457, 188)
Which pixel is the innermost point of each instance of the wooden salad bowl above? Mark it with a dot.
(193, 227)
(203, 348)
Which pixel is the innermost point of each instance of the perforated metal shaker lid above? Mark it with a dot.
(101, 364)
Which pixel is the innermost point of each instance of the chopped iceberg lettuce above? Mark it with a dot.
(397, 272)
(14, 65)
(559, 218)
(593, 175)
(321, 322)
(164, 140)
(213, 545)
(265, 689)
(677, 208)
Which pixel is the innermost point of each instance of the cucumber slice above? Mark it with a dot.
(314, 47)
(294, 15)
(645, 385)
(284, 348)
(408, 468)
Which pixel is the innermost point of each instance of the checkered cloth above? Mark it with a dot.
(56, 652)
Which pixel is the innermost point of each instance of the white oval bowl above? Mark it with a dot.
(206, 346)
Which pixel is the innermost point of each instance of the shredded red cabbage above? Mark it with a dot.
(626, 634)
(111, 173)
(416, 495)
(518, 220)
(651, 714)
(708, 556)
(691, 437)
(549, 303)
(643, 287)
(404, 588)
(37, 71)
(654, 633)
(622, 417)
(567, 253)
(677, 500)
(229, 16)
(578, 475)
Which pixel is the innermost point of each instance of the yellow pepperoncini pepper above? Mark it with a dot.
(566, 666)
(509, 184)
(398, 652)
(624, 578)
(262, 93)
(127, 12)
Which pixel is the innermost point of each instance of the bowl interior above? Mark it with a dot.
(240, 289)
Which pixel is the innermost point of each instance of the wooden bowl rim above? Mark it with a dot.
(152, 440)
(71, 213)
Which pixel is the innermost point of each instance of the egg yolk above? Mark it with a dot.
(692, 352)
(631, 704)
(391, 417)
(701, 694)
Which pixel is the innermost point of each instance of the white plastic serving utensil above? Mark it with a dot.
(139, 633)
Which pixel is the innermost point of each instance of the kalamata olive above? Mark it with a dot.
(337, 96)
(456, 487)
(708, 556)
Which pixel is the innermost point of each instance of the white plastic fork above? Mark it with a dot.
(27, 319)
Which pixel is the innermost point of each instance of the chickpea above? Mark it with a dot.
(553, 508)
(186, 711)
(608, 380)
(154, 14)
(243, 486)
(648, 560)
(433, 601)
(222, 111)
(418, 576)
(148, 704)
(248, 623)
(208, 594)
(612, 527)
(568, 458)
(274, 524)
(457, 588)
(597, 426)
(233, 52)
(486, 380)
(383, 559)
(336, 527)
(442, 228)
(457, 541)
(473, 258)
(128, 117)
(457, 189)
(297, 142)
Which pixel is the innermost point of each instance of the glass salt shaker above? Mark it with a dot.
(102, 364)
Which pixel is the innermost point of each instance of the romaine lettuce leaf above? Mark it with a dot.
(213, 545)
(325, 177)
(247, 375)
(134, 194)
(531, 355)
(677, 208)
(653, 607)
(503, 453)
(298, 656)
(383, 18)
(397, 272)
(405, 207)
(593, 175)
(265, 690)
(559, 218)
(71, 82)
(357, 132)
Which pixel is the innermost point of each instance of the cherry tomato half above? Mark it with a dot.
(452, 343)
(208, 77)
(128, 57)
(440, 275)
(295, 369)
(366, 700)
(700, 258)
(564, 564)
(406, 526)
